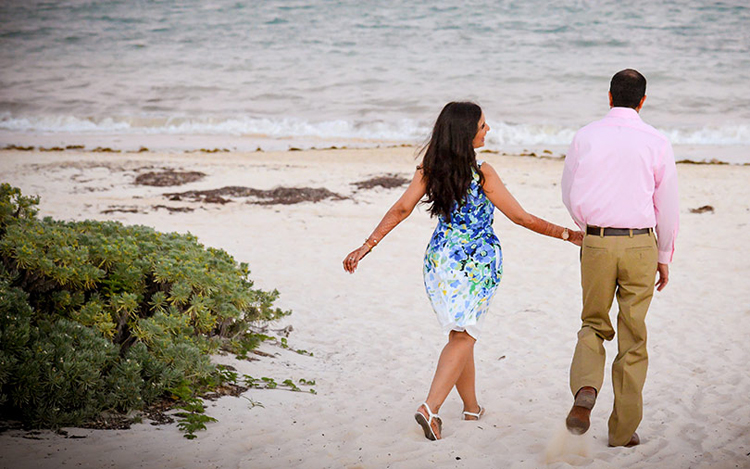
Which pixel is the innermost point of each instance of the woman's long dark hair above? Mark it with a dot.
(449, 157)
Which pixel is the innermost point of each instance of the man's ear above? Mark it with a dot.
(640, 105)
(609, 93)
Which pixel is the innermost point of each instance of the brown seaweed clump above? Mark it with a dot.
(389, 181)
(713, 161)
(703, 209)
(277, 196)
(120, 209)
(18, 148)
(168, 177)
(172, 209)
(109, 421)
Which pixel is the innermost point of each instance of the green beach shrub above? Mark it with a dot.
(100, 316)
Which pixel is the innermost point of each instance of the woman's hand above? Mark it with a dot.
(576, 237)
(351, 260)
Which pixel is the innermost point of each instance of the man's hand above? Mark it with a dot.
(663, 280)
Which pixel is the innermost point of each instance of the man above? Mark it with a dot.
(620, 186)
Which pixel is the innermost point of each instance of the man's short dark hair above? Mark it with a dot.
(628, 88)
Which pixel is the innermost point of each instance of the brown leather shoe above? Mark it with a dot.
(635, 440)
(578, 418)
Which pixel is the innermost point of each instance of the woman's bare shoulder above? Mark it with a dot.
(487, 169)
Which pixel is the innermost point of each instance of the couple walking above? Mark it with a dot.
(619, 184)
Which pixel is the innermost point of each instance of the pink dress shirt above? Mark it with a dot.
(620, 173)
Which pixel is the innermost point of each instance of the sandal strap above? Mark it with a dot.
(474, 414)
(430, 414)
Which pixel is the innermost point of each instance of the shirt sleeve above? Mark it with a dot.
(571, 165)
(666, 205)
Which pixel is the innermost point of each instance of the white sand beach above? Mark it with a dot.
(374, 339)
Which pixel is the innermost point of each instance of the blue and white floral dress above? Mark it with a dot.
(463, 263)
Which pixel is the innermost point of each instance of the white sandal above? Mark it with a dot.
(476, 415)
(426, 423)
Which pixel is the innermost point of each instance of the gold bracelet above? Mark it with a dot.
(374, 243)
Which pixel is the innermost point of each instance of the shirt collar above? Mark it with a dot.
(623, 113)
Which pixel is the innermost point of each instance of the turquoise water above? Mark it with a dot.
(368, 70)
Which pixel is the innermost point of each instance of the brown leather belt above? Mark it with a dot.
(597, 231)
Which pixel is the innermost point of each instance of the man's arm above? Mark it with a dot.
(666, 207)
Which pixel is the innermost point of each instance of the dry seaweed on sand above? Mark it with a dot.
(120, 209)
(389, 181)
(168, 177)
(18, 147)
(109, 421)
(712, 162)
(173, 209)
(544, 155)
(276, 196)
(702, 209)
(226, 389)
(208, 150)
(156, 412)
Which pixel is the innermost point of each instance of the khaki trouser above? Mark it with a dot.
(624, 267)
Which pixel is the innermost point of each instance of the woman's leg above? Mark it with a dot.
(466, 387)
(453, 359)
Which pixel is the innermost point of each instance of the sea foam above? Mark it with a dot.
(400, 130)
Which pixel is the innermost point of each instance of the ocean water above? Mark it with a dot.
(367, 72)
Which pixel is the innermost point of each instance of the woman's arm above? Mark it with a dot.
(506, 203)
(395, 215)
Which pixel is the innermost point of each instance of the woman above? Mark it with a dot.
(463, 261)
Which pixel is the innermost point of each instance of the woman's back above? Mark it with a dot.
(475, 213)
